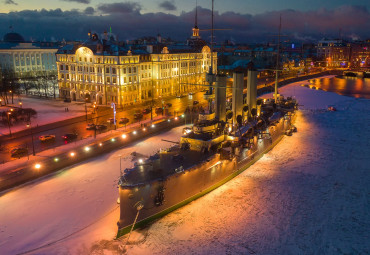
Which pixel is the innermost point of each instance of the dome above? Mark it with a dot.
(13, 38)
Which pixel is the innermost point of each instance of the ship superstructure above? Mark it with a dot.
(219, 145)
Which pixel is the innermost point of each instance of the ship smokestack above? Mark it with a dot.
(237, 104)
(220, 98)
(252, 89)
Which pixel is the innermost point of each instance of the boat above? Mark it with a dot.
(218, 147)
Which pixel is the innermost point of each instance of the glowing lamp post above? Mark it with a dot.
(113, 106)
(33, 146)
(8, 115)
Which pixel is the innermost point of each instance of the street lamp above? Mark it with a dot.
(20, 104)
(113, 106)
(33, 145)
(8, 115)
(11, 91)
(86, 107)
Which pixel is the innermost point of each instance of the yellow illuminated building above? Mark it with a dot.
(101, 71)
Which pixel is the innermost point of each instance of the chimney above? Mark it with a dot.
(237, 104)
(252, 89)
(220, 98)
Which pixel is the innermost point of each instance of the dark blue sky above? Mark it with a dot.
(249, 20)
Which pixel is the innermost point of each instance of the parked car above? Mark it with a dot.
(69, 137)
(195, 102)
(146, 111)
(90, 126)
(158, 110)
(288, 132)
(18, 152)
(111, 120)
(168, 105)
(124, 121)
(138, 116)
(100, 127)
(47, 138)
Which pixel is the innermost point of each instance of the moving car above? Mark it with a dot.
(18, 152)
(158, 110)
(124, 121)
(146, 111)
(69, 137)
(90, 126)
(138, 116)
(111, 121)
(47, 138)
(100, 127)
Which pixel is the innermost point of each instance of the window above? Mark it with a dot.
(124, 70)
(130, 79)
(114, 79)
(108, 79)
(107, 69)
(61, 67)
(129, 70)
(134, 69)
(113, 70)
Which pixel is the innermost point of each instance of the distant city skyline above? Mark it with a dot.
(250, 21)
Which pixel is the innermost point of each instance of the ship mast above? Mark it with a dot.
(277, 64)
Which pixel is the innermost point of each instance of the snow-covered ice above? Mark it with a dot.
(309, 195)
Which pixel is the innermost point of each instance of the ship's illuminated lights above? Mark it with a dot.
(134, 132)
(124, 136)
(37, 166)
(87, 148)
(72, 154)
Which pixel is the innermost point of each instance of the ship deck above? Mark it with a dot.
(162, 165)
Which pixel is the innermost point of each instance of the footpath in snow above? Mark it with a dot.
(48, 111)
(309, 195)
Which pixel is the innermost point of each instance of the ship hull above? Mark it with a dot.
(163, 196)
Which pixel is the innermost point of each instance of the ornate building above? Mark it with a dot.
(101, 71)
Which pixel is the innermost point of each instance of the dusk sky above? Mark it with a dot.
(249, 20)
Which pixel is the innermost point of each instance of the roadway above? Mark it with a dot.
(102, 116)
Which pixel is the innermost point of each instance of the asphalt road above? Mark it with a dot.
(178, 105)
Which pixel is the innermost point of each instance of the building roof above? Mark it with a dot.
(13, 38)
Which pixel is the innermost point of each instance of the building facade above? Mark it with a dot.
(24, 59)
(101, 71)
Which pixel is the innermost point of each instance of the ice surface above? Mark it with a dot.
(309, 195)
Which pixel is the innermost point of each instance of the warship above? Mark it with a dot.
(217, 147)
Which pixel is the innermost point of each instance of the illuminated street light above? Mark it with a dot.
(113, 140)
(140, 161)
(72, 154)
(100, 144)
(124, 136)
(153, 126)
(37, 166)
(87, 148)
(144, 129)
(134, 132)
(56, 159)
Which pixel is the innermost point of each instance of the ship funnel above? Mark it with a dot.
(237, 106)
(252, 89)
(220, 98)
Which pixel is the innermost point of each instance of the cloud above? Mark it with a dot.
(10, 2)
(78, 1)
(298, 25)
(89, 11)
(168, 5)
(123, 7)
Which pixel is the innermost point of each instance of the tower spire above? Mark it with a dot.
(196, 13)
(196, 29)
